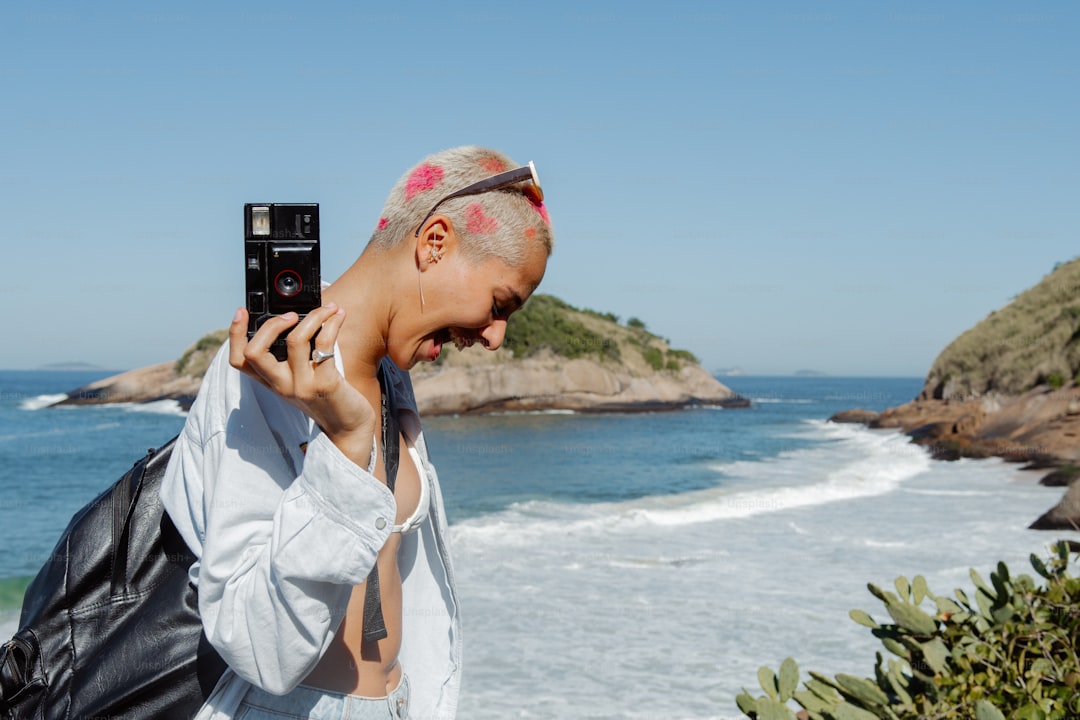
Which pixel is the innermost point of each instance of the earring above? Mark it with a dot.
(435, 257)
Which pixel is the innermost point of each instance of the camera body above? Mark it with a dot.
(281, 261)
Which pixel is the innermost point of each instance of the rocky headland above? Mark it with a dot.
(555, 357)
(1008, 388)
(178, 380)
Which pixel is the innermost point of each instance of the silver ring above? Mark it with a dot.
(318, 356)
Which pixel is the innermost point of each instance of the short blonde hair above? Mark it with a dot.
(501, 223)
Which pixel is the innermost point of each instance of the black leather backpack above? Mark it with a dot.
(110, 625)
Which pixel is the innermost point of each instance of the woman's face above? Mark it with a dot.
(465, 302)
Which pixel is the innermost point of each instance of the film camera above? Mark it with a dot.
(281, 260)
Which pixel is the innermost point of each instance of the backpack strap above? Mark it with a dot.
(124, 503)
(374, 624)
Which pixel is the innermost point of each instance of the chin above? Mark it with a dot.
(405, 363)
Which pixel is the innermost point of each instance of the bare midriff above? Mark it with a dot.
(371, 669)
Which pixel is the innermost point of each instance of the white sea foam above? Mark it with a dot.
(782, 401)
(41, 401)
(868, 464)
(527, 523)
(727, 579)
(550, 411)
(947, 493)
(860, 465)
(883, 544)
(163, 407)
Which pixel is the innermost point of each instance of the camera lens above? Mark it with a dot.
(287, 283)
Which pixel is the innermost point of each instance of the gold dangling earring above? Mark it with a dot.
(420, 281)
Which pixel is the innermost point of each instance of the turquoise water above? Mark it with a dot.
(54, 460)
(639, 565)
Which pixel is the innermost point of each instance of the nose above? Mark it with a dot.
(493, 334)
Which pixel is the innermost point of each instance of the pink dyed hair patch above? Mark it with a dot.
(492, 164)
(424, 177)
(477, 222)
(542, 209)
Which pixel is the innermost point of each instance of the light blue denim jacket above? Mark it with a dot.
(284, 525)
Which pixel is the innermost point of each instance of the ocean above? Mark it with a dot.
(625, 565)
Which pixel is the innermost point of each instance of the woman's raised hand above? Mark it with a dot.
(318, 389)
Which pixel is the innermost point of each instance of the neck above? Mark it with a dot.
(366, 293)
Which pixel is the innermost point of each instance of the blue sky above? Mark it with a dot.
(837, 186)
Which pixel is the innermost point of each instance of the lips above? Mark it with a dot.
(437, 341)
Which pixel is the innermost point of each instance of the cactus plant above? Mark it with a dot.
(1009, 653)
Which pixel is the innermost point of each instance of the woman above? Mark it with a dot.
(326, 589)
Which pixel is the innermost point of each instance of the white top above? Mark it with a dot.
(419, 515)
(282, 535)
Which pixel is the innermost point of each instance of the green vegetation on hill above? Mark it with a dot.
(1034, 340)
(548, 322)
(197, 358)
(544, 323)
(1008, 652)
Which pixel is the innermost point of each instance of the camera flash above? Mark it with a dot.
(260, 221)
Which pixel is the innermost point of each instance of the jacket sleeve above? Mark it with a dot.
(281, 550)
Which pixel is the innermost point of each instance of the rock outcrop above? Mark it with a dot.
(546, 383)
(149, 384)
(552, 383)
(178, 380)
(856, 416)
(1032, 341)
(1063, 516)
(1062, 477)
(1008, 388)
(1040, 427)
(577, 360)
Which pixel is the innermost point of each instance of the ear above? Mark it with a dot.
(436, 240)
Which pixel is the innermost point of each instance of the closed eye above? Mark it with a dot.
(504, 312)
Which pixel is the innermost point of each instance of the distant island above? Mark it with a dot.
(554, 357)
(69, 366)
(810, 373)
(1008, 388)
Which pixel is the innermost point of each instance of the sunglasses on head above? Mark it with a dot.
(496, 182)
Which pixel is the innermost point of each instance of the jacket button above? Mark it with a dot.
(380, 523)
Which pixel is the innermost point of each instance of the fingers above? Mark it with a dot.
(299, 339)
(238, 338)
(327, 338)
(317, 389)
(253, 357)
(325, 373)
(297, 376)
